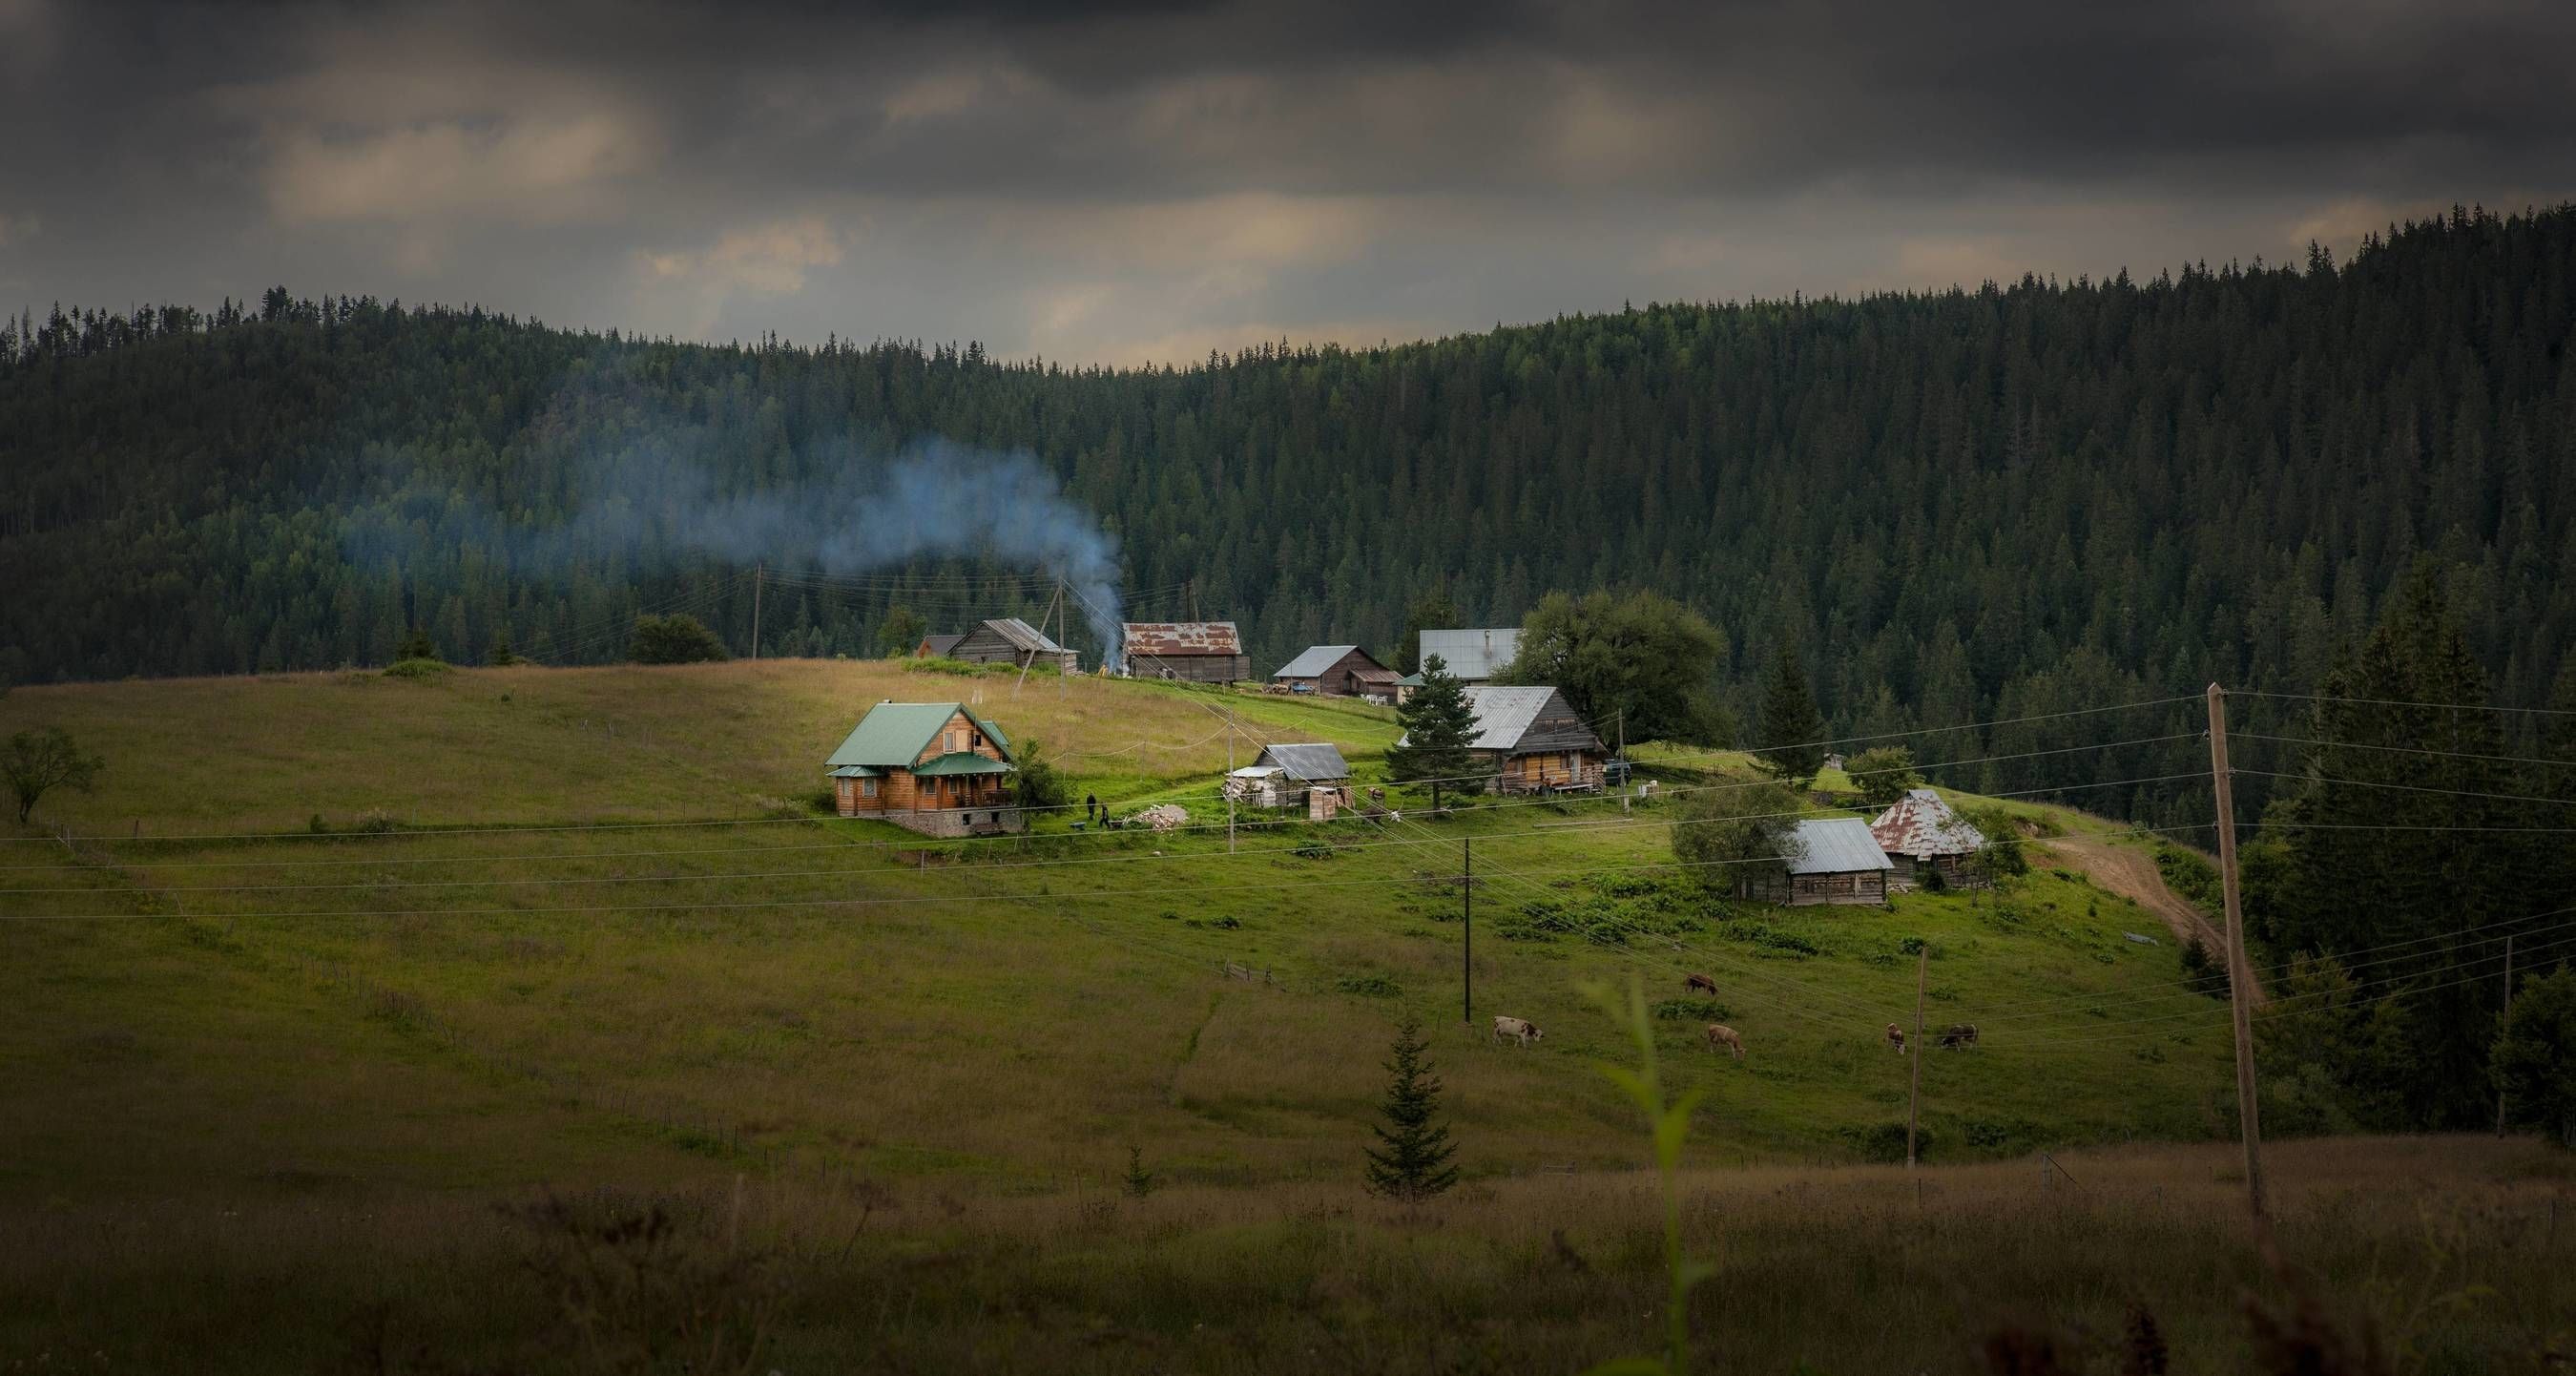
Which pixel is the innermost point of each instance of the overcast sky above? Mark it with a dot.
(1147, 180)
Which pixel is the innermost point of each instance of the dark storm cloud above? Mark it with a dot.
(1109, 180)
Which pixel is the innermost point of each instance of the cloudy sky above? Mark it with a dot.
(1120, 182)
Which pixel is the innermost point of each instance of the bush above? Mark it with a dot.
(417, 669)
(1884, 1143)
(1038, 785)
(1691, 1010)
(1375, 986)
(675, 639)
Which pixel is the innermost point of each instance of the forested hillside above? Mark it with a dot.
(1965, 504)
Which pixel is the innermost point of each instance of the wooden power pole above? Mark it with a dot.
(759, 575)
(1914, 1092)
(1467, 918)
(2240, 978)
(2508, 1012)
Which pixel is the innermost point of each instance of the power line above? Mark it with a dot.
(2399, 702)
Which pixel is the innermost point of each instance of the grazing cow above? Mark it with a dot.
(1719, 1034)
(1520, 1030)
(1960, 1035)
(1696, 982)
(1896, 1039)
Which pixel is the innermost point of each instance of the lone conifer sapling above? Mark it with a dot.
(1411, 1160)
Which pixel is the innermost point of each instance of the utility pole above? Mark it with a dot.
(2508, 1012)
(2240, 979)
(1229, 775)
(759, 575)
(1914, 1092)
(1625, 792)
(1031, 655)
(1467, 914)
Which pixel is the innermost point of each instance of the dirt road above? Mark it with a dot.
(2131, 873)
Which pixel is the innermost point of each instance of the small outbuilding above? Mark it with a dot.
(932, 767)
(1473, 656)
(936, 646)
(1312, 775)
(1189, 651)
(1009, 640)
(1923, 836)
(1839, 862)
(1341, 671)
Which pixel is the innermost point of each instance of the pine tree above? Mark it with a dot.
(1411, 1161)
(1439, 725)
(1791, 727)
(416, 644)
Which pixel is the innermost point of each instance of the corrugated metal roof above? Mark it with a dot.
(853, 771)
(1923, 826)
(1473, 654)
(893, 734)
(1307, 763)
(1168, 639)
(1314, 660)
(1023, 636)
(961, 762)
(1838, 845)
(1503, 715)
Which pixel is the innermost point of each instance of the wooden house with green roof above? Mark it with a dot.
(934, 767)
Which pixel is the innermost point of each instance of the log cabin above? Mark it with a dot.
(1923, 837)
(932, 767)
(1341, 671)
(1838, 861)
(1009, 640)
(1190, 651)
(1533, 741)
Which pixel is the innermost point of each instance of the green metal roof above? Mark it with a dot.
(893, 734)
(854, 771)
(961, 762)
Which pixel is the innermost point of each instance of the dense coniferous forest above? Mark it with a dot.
(1959, 505)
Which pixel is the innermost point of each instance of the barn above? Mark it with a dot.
(1838, 862)
(1533, 741)
(1924, 837)
(932, 767)
(936, 646)
(1191, 651)
(1294, 775)
(1009, 640)
(1341, 671)
(1473, 656)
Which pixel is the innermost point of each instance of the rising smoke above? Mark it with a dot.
(933, 499)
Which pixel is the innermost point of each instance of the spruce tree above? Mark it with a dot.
(1791, 727)
(416, 644)
(1411, 1160)
(1439, 725)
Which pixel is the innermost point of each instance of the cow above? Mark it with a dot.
(1896, 1039)
(1960, 1036)
(1697, 982)
(1719, 1034)
(1520, 1030)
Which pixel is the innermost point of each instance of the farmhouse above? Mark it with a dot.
(1473, 656)
(936, 646)
(1009, 640)
(1342, 671)
(1192, 651)
(1289, 775)
(934, 767)
(1923, 836)
(1839, 862)
(1533, 741)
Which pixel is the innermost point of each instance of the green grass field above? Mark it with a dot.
(495, 998)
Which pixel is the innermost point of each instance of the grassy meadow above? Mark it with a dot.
(883, 1091)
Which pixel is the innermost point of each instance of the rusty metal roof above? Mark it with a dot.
(1923, 826)
(1166, 639)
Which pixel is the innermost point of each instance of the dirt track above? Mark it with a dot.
(2131, 873)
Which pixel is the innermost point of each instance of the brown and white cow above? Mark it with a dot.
(1719, 1034)
(1697, 982)
(1896, 1038)
(1520, 1030)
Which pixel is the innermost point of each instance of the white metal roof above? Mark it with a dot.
(1838, 845)
(1503, 715)
(1308, 763)
(1473, 654)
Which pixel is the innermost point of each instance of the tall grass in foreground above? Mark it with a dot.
(1669, 1124)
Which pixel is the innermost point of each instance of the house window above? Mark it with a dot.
(867, 788)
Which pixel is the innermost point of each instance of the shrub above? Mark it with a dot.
(1374, 986)
(1038, 784)
(1884, 1143)
(1691, 1010)
(416, 669)
(675, 639)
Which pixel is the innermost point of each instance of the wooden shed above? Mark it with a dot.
(1009, 640)
(1341, 671)
(934, 767)
(1838, 862)
(1923, 836)
(1293, 775)
(936, 646)
(1191, 651)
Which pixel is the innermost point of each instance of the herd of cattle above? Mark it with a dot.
(1959, 1036)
